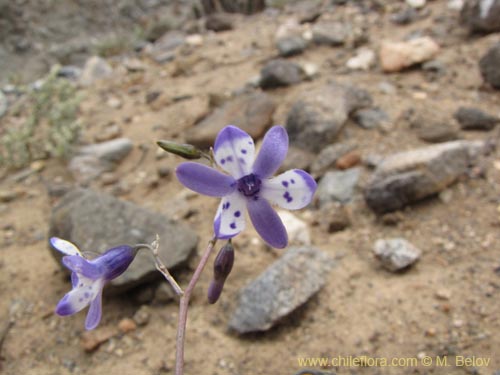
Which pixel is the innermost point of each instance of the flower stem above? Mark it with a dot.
(183, 308)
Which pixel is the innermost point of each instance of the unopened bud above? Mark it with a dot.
(223, 265)
(184, 150)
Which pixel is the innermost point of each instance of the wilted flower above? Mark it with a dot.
(223, 265)
(249, 185)
(88, 277)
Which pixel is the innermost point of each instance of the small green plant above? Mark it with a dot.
(51, 126)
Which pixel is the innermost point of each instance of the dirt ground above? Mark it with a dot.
(446, 305)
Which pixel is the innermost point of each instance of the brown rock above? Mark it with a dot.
(348, 160)
(252, 113)
(395, 56)
(91, 340)
(127, 325)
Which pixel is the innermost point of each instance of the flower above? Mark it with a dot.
(223, 265)
(88, 277)
(249, 185)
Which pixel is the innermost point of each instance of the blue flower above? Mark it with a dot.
(249, 185)
(88, 277)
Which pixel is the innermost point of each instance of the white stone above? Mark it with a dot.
(298, 230)
(395, 56)
(363, 60)
(194, 40)
(416, 3)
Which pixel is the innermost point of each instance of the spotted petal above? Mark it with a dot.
(95, 312)
(272, 153)
(82, 267)
(78, 298)
(292, 190)
(64, 246)
(234, 151)
(230, 216)
(267, 223)
(204, 180)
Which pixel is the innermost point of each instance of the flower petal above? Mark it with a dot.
(292, 190)
(79, 297)
(82, 267)
(267, 223)
(204, 180)
(64, 246)
(230, 216)
(95, 312)
(272, 152)
(234, 151)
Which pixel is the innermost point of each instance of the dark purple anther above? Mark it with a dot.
(249, 185)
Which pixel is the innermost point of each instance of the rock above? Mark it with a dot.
(219, 22)
(488, 65)
(3, 104)
(436, 133)
(481, 15)
(91, 340)
(96, 222)
(110, 132)
(475, 119)
(404, 16)
(407, 177)
(95, 68)
(280, 72)
(93, 160)
(364, 60)
(164, 49)
(333, 217)
(337, 186)
(8, 195)
(311, 70)
(396, 254)
(317, 116)
(328, 157)
(348, 160)
(291, 45)
(251, 112)
(331, 33)
(369, 118)
(417, 4)
(142, 316)
(298, 230)
(127, 325)
(395, 56)
(297, 158)
(287, 284)
(71, 72)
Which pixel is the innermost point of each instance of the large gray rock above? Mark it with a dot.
(96, 221)
(279, 73)
(481, 15)
(317, 117)
(92, 160)
(287, 284)
(488, 65)
(337, 186)
(475, 119)
(407, 177)
(251, 112)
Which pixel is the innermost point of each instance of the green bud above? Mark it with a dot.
(184, 150)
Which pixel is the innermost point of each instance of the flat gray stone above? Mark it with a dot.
(481, 15)
(407, 177)
(396, 254)
(471, 118)
(337, 186)
(251, 112)
(331, 33)
(96, 221)
(291, 45)
(317, 116)
(92, 160)
(489, 64)
(287, 284)
(279, 73)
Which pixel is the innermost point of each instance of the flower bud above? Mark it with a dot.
(223, 265)
(184, 150)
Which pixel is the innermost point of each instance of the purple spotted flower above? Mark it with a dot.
(250, 185)
(88, 278)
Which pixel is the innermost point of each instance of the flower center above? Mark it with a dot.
(249, 185)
